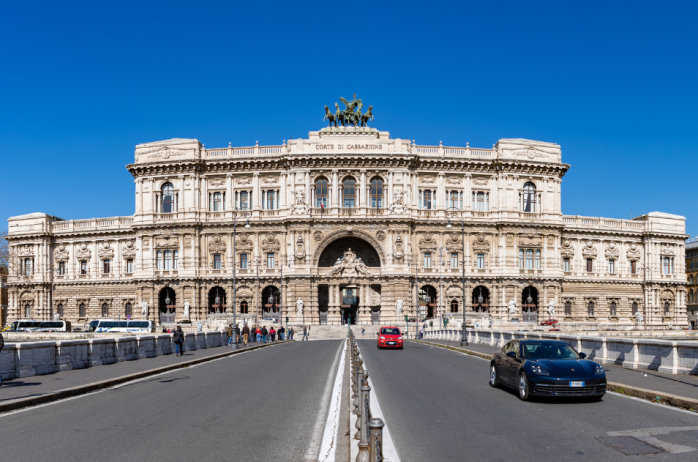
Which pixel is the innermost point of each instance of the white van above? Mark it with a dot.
(31, 325)
(114, 325)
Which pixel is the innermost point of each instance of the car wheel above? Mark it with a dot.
(378, 346)
(523, 387)
(494, 380)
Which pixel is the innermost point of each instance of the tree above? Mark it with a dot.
(4, 251)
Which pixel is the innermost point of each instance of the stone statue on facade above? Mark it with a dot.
(187, 309)
(56, 316)
(398, 206)
(398, 308)
(144, 308)
(299, 307)
(551, 308)
(349, 265)
(640, 317)
(512, 306)
(300, 205)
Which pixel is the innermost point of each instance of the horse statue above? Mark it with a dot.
(338, 116)
(329, 116)
(366, 117)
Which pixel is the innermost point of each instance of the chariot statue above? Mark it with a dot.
(351, 115)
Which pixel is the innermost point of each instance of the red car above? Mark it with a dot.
(549, 322)
(389, 337)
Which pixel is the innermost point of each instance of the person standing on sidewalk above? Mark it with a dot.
(282, 332)
(272, 333)
(258, 334)
(245, 334)
(305, 333)
(229, 333)
(265, 332)
(290, 333)
(178, 339)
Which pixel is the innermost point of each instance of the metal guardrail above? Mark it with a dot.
(369, 431)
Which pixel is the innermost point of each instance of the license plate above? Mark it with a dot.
(391, 343)
(576, 384)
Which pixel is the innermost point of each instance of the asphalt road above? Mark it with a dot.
(269, 404)
(439, 406)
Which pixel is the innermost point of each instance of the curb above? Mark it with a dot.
(654, 396)
(94, 386)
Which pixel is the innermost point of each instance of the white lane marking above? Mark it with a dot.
(389, 451)
(663, 406)
(31, 408)
(645, 435)
(330, 436)
(316, 438)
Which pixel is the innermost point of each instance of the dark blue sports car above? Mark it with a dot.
(546, 368)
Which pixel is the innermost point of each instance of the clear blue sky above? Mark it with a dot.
(614, 83)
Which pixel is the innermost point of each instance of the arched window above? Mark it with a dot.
(690, 278)
(568, 309)
(613, 308)
(590, 309)
(81, 310)
(376, 193)
(634, 309)
(27, 311)
(129, 309)
(321, 192)
(105, 310)
(243, 307)
(690, 295)
(167, 198)
(59, 309)
(529, 197)
(349, 193)
(454, 306)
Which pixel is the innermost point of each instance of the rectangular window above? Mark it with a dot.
(611, 266)
(481, 261)
(667, 265)
(270, 260)
(271, 200)
(243, 261)
(529, 259)
(590, 265)
(217, 202)
(175, 260)
(481, 201)
(633, 267)
(107, 266)
(61, 268)
(426, 201)
(83, 267)
(158, 260)
(427, 259)
(566, 265)
(521, 259)
(129, 266)
(217, 261)
(168, 260)
(454, 260)
(28, 270)
(537, 259)
(244, 200)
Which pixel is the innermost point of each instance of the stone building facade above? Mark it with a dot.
(692, 279)
(350, 223)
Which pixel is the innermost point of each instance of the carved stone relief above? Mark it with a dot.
(567, 250)
(633, 253)
(216, 244)
(105, 251)
(83, 252)
(61, 253)
(611, 250)
(589, 251)
(481, 243)
(380, 235)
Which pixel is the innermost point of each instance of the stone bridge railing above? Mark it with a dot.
(26, 359)
(673, 357)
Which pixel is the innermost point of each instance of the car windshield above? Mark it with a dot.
(547, 350)
(390, 331)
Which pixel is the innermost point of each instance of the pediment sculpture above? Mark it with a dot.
(567, 250)
(83, 252)
(349, 265)
(300, 204)
(243, 243)
(61, 253)
(589, 250)
(300, 248)
(167, 241)
(398, 252)
(666, 250)
(270, 242)
(106, 252)
(398, 206)
(129, 249)
(481, 244)
(428, 242)
(633, 252)
(611, 251)
(530, 239)
(27, 250)
(216, 244)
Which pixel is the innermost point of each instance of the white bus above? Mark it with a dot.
(114, 325)
(31, 325)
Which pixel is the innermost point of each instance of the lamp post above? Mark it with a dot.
(245, 215)
(453, 213)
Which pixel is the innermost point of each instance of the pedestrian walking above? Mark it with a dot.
(2, 345)
(282, 332)
(245, 334)
(258, 334)
(363, 331)
(272, 333)
(178, 339)
(305, 333)
(290, 333)
(229, 333)
(265, 332)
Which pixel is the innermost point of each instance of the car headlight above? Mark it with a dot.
(540, 370)
(382, 338)
(599, 370)
(399, 338)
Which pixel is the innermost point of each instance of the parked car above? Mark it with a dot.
(549, 322)
(389, 337)
(546, 368)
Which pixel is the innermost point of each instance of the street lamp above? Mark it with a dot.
(245, 215)
(464, 339)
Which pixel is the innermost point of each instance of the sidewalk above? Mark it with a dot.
(15, 390)
(679, 384)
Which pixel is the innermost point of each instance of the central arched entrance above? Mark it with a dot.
(167, 302)
(216, 300)
(427, 302)
(271, 303)
(362, 249)
(481, 299)
(529, 304)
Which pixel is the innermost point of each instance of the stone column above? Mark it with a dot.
(229, 193)
(257, 192)
(362, 189)
(282, 190)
